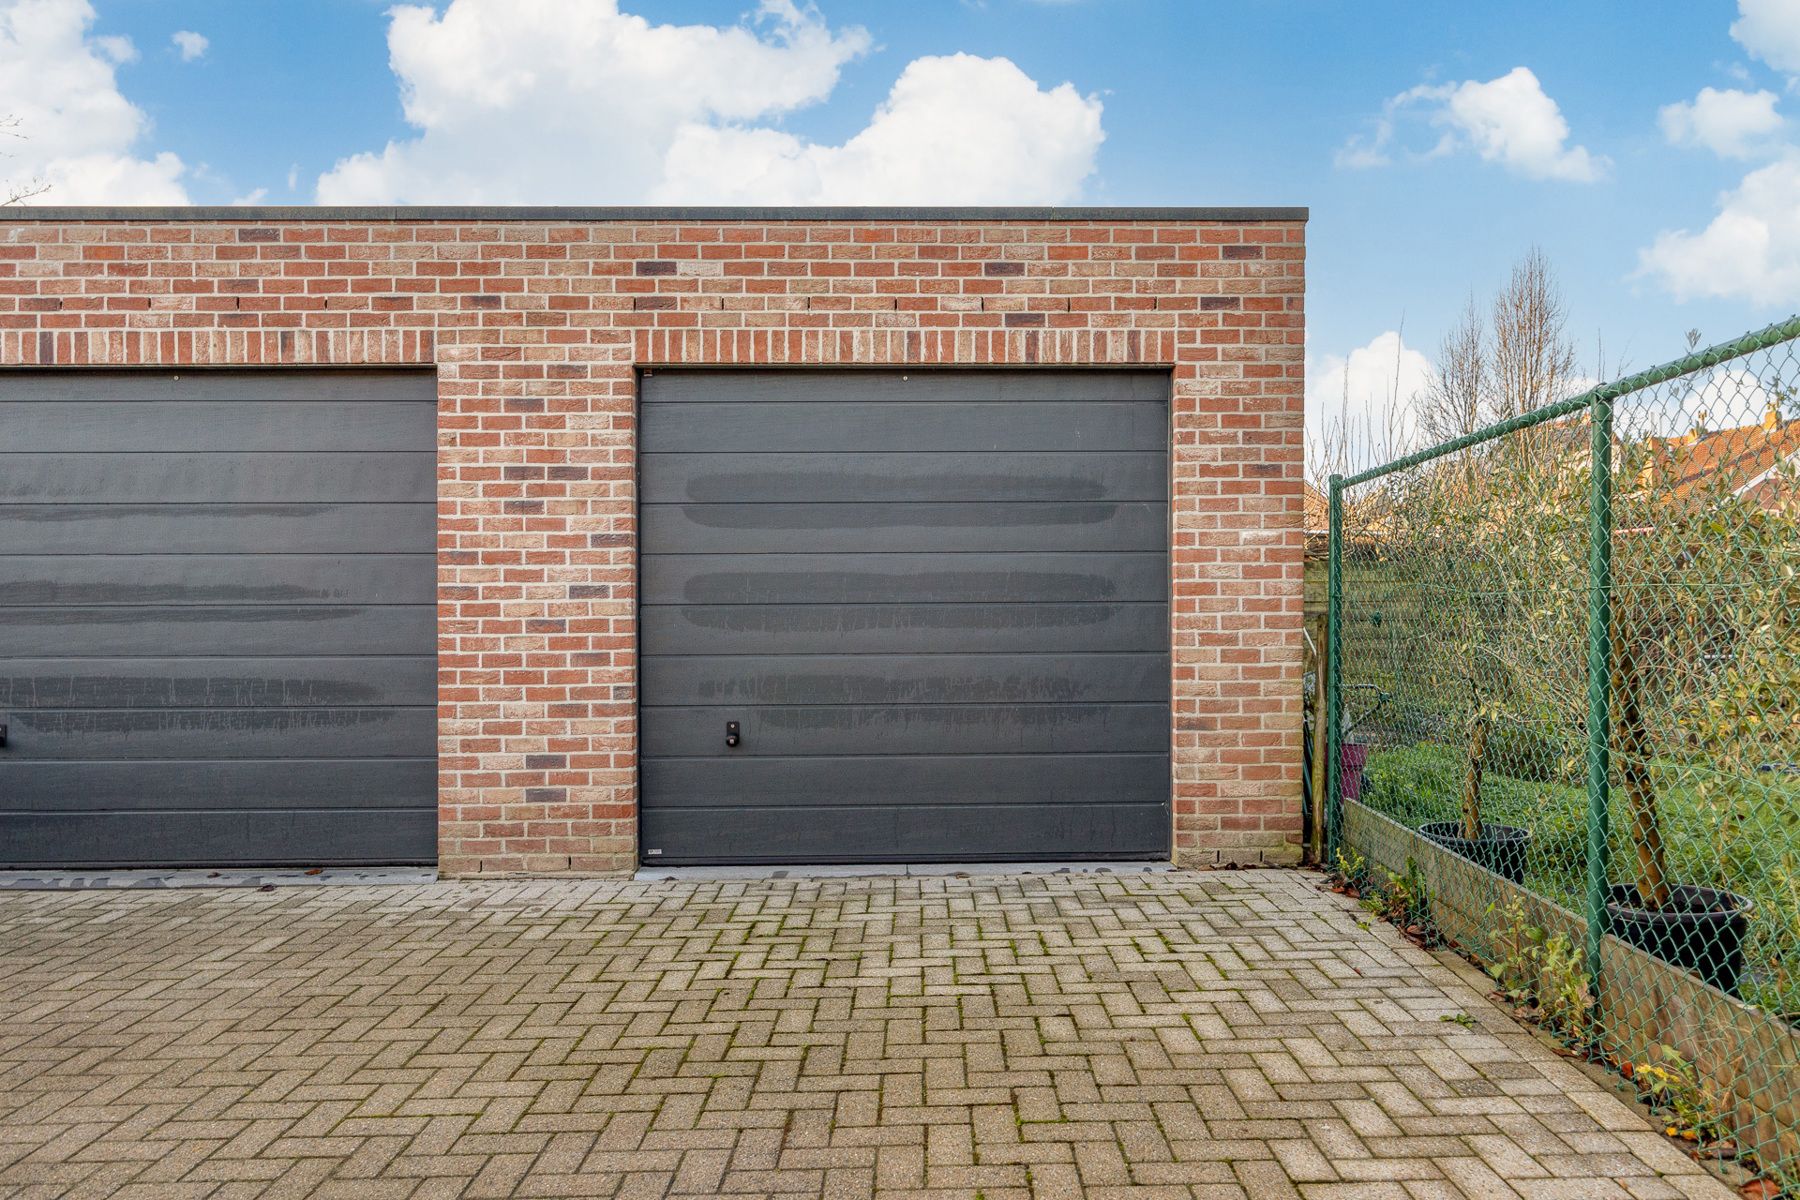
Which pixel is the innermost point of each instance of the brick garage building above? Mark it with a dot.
(759, 535)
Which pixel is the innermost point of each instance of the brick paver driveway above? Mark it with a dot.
(1207, 1035)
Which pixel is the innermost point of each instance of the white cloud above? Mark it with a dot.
(1580, 382)
(954, 130)
(1726, 397)
(119, 49)
(77, 131)
(1750, 250)
(1721, 398)
(1360, 153)
(1770, 30)
(190, 45)
(572, 100)
(1730, 123)
(552, 101)
(1509, 120)
(1361, 408)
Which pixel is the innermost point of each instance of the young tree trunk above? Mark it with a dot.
(1631, 757)
(1471, 793)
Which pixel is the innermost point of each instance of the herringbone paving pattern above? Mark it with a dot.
(1215, 1035)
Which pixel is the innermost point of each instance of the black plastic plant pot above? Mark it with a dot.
(1500, 848)
(1702, 930)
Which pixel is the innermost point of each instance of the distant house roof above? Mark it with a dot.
(1759, 462)
(1745, 459)
(1316, 509)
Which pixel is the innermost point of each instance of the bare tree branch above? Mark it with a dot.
(18, 193)
(1533, 360)
(1454, 403)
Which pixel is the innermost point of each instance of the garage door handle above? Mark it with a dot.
(2, 735)
(731, 735)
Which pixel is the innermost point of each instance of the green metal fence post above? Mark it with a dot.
(1334, 690)
(1599, 676)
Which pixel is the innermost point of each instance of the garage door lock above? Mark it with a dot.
(731, 735)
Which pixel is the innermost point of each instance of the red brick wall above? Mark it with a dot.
(537, 328)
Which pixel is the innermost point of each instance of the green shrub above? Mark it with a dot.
(1534, 753)
(1559, 836)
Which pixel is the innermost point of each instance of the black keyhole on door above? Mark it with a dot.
(731, 735)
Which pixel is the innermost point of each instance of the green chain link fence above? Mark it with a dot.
(1563, 711)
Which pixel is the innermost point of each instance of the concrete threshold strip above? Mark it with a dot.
(204, 877)
(201, 877)
(891, 870)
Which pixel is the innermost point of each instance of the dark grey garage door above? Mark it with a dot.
(934, 604)
(216, 618)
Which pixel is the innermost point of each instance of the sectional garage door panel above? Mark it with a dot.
(1043, 526)
(178, 426)
(850, 426)
(981, 477)
(217, 619)
(934, 603)
(906, 679)
(242, 836)
(309, 580)
(231, 630)
(89, 789)
(961, 578)
(220, 478)
(1140, 627)
(929, 729)
(259, 685)
(924, 833)
(897, 779)
(256, 529)
(86, 734)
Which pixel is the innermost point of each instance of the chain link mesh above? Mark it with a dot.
(1504, 779)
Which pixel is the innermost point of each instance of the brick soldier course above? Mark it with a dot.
(537, 322)
(1215, 1036)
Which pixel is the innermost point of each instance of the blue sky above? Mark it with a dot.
(1176, 102)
